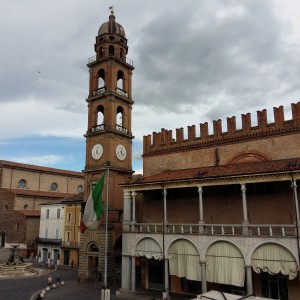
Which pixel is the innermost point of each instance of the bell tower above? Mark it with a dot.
(108, 136)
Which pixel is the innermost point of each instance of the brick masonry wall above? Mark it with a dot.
(274, 208)
(274, 148)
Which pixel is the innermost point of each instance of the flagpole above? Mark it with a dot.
(106, 233)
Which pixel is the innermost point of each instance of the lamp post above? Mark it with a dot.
(105, 294)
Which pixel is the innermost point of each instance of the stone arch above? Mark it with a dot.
(274, 258)
(148, 247)
(184, 259)
(101, 78)
(208, 245)
(248, 156)
(225, 264)
(121, 80)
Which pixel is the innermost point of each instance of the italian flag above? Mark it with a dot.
(94, 206)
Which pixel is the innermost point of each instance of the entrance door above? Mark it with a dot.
(2, 237)
(45, 255)
(156, 274)
(66, 257)
(55, 256)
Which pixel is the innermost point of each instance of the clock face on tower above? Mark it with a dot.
(121, 152)
(97, 151)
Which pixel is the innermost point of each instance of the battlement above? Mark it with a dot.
(163, 141)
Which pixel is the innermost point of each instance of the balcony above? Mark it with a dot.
(98, 128)
(99, 91)
(122, 93)
(94, 58)
(121, 129)
(215, 229)
(47, 241)
(69, 244)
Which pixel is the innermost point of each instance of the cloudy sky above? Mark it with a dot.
(195, 61)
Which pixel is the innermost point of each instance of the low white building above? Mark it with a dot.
(51, 232)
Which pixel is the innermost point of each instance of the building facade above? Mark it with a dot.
(52, 223)
(108, 144)
(71, 235)
(23, 188)
(219, 211)
(34, 185)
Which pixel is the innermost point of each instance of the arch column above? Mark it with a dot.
(295, 196)
(201, 218)
(127, 210)
(245, 210)
(133, 279)
(249, 280)
(166, 266)
(203, 277)
(165, 205)
(133, 195)
(126, 271)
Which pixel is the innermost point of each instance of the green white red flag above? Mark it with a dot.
(94, 206)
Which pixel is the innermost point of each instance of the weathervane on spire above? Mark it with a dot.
(111, 8)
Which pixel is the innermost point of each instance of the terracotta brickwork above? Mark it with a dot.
(12, 223)
(274, 141)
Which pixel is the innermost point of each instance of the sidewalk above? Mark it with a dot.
(79, 291)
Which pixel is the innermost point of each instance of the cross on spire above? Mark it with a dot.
(111, 8)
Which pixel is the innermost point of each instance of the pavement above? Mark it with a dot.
(81, 291)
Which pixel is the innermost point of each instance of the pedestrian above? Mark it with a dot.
(58, 280)
(50, 280)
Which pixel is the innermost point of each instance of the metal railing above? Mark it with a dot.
(213, 229)
(47, 241)
(69, 244)
(94, 58)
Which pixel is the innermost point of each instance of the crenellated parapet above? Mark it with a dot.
(164, 141)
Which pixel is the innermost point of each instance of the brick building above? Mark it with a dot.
(217, 211)
(108, 145)
(23, 188)
(71, 235)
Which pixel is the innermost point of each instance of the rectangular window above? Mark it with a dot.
(68, 236)
(47, 213)
(58, 213)
(56, 233)
(46, 232)
(69, 218)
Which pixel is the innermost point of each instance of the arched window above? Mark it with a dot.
(111, 50)
(79, 188)
(119, 118)
(101, 52)
(100, 115)
(120, 80)
(121, 53)
(101, 79)
(53, 186)
(22, 183)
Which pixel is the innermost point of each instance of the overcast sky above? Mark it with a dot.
(195, 62)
